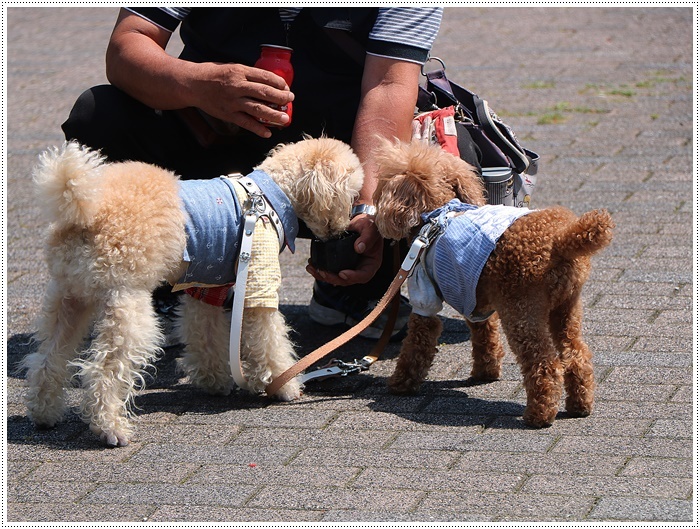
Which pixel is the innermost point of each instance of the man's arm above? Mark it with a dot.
(138, 64)
(387, 105)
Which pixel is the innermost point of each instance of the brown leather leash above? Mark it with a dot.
(425, 237)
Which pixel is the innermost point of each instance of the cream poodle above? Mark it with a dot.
(526, 267)
(118, 230)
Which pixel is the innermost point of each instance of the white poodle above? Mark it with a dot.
(118, 230)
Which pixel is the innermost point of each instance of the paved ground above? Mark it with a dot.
(605, 96)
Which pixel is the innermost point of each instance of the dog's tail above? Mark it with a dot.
(68, 179)
(588, 234)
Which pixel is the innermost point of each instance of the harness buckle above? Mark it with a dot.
(427, 234)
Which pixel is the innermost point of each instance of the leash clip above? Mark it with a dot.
(337, 368)
(427, 234)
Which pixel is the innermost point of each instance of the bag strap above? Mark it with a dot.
(477, 109)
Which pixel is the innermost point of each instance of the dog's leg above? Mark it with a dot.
(487, 351)
(267, 352)
(418, 350)
(530, 341)
(63, 325)
(565, 324)
(126, 342)
(204, 329)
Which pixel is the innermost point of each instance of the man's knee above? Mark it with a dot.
(89, 116)
(108, 119)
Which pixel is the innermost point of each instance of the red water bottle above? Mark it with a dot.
(277, 59)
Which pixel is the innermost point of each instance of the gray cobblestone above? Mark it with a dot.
(605, 94)
(515, 506)
(657, 487)
(642, 509)
(160, 494)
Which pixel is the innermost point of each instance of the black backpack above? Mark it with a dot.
(482, 138)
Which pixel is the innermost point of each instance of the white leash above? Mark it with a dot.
(258, 206)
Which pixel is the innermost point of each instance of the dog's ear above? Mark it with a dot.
(464, 180)
(400, 200)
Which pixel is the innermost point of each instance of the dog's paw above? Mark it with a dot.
(485, 374)
(46, 416)
(220, 390)
(290, 391)
(577, 409)
(220, 386)
(535, 420)
(44, 425)
(111, 437)
(403, 386)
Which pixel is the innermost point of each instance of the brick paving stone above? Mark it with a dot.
(520, 506)
(676, 429)
(643, 359)
(100, 472)
(315, 498)
(657, 466)
(432, 480)
(232, 495)
(534, 463)
(499, 441)
(308, 437)
(683, 394)
(48, 491)
(261, 474)
(393, 517)
(643, 410)
(608, 390)
(384, 458)
(197, 514)
(72, 513)
(656, 487)
(629, 446)
(592, 425)
(184, 434)
(174, 453)
(642, 509)
(605, 95)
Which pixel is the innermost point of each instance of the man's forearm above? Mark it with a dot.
(386, 110)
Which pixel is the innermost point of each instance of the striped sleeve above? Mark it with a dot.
(405, 33)
(167, 18)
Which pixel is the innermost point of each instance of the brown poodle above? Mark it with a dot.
(534, 266)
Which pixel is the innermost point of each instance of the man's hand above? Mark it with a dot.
(369, 245)
(138, 64)
(242, 95)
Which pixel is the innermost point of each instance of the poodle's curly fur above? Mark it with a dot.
(533, 280)
(117, 231)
